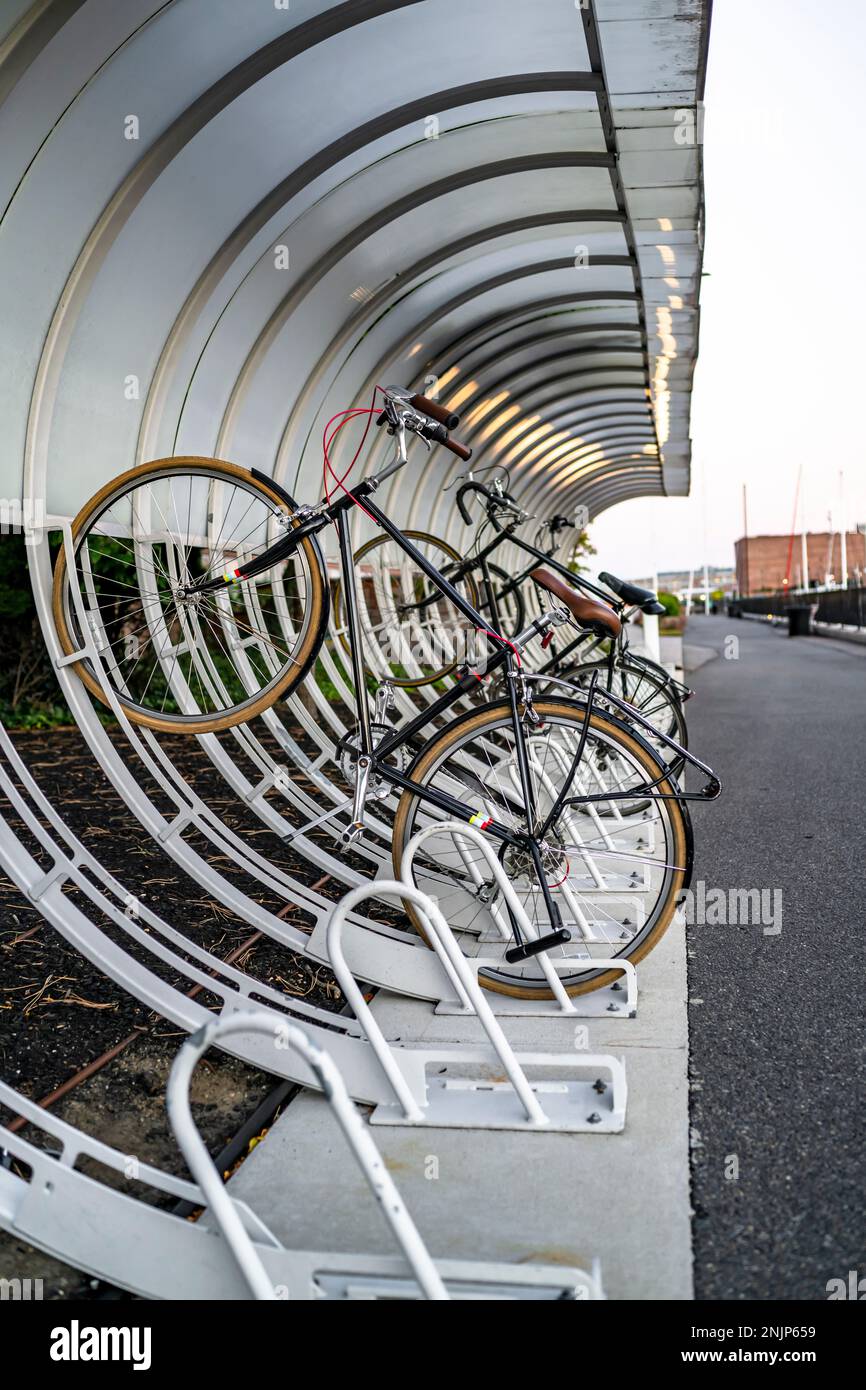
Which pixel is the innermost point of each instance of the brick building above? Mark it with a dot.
(762, 561)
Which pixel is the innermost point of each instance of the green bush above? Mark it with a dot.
(671, 604)
(30, 696)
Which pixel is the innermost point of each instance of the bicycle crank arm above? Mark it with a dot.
(355, 830)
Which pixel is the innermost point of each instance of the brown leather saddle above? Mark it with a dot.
(597, 617)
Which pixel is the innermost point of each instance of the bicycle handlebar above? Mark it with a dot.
(437, 434)
(493, 498)
(414, 413)
(435, 411)
(461, 493)
(462, 451)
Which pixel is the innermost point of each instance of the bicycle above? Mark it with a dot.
(391, 593)
(216, 573)
(407, 626)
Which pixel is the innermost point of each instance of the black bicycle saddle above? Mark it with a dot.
(632, 594)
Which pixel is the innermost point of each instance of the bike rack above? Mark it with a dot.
(368, 1079)
(463, 1094)
(387, 959)
(598, 1004)
(126, 1241)
(194, 813)
(156, 1253)
(175, 1258)
(222, 1208)
(397, 960)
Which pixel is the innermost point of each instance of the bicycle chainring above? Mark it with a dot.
(378, 789)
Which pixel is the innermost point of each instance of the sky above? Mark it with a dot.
(781, 375)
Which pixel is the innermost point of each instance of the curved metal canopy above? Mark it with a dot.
(222, 222)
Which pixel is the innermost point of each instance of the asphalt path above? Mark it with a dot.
(777, 1054)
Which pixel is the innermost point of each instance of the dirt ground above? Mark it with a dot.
(58, 1013)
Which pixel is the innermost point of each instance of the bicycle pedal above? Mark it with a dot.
(534, 948)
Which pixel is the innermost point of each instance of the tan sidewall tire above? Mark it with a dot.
(553, 708)
(473, 597)
(215, 723)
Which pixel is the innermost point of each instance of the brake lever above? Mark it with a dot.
(512, 509)
(400, 418)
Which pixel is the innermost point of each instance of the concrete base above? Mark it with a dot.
(509, 1196)
(841, 634)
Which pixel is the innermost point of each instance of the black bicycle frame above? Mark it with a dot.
(337, 513)
(479, 560)
(504, 657)
(378, 753)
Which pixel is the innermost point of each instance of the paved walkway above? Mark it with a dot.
(777, 1051)
(517, 1197)
(776, 1024)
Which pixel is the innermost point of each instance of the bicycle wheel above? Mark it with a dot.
(202, 663)
(413, 635)
(614, 874)
(651, 697)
